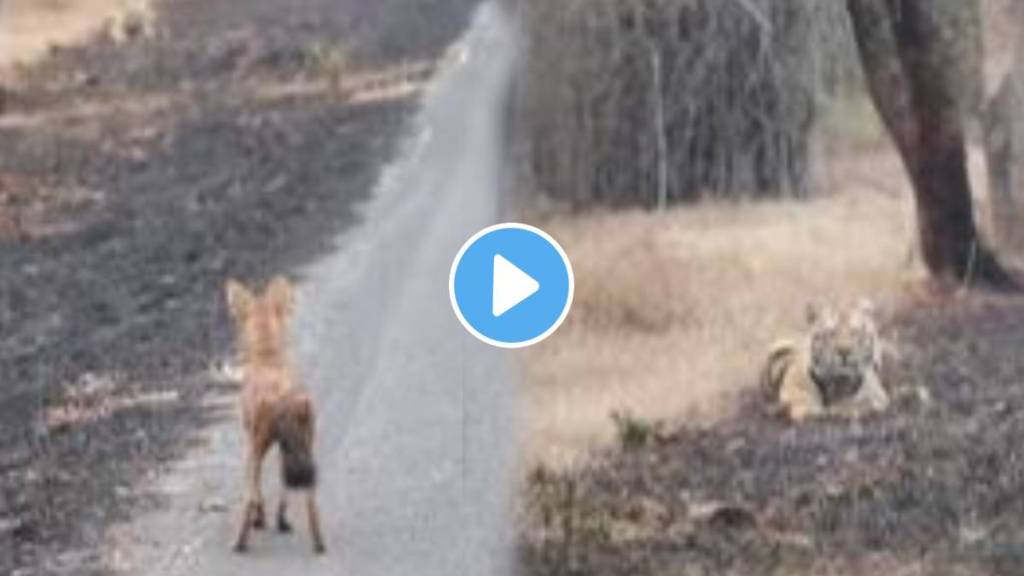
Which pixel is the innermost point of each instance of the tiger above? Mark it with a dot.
(835, 369)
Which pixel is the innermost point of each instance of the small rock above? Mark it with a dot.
(735, 445)
(970, 535)
(9, 525)
(723, 516)
(213, 506)
(732, 518)
(924, 396)
(647, 510)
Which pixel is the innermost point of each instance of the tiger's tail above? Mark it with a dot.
(775, 367)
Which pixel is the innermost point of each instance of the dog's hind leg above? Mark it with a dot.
(314, 522)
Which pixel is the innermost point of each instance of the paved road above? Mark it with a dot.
(416, 430)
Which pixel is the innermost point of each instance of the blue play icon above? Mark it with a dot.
(511, 285)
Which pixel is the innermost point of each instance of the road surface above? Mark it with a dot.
(416, 441)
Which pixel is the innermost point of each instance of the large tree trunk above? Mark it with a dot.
(911, 73)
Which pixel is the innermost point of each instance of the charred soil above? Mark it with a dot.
(932, 487)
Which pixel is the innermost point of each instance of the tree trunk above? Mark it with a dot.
(907, 62)
(660, 137)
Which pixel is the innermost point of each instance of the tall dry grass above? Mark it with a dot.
(674, 312)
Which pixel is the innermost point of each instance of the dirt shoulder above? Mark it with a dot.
(933, 487)
(135, 177)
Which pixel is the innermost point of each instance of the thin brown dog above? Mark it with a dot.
(276, 409)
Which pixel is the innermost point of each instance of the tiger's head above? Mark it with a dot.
(844, 346)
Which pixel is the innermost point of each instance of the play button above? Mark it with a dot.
(511, 285)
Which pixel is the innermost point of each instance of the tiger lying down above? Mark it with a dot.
(833, 370)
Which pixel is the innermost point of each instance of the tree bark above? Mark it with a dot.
(907, 61)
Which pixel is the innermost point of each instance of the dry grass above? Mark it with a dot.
(97, 397)
(674, 312)
(28, 28)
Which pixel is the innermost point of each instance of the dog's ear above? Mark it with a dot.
(239, 297)
(279, 293)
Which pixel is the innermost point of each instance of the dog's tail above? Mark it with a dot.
(293, 431)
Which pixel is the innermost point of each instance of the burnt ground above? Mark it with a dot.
(134, 179)
(934, 487)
